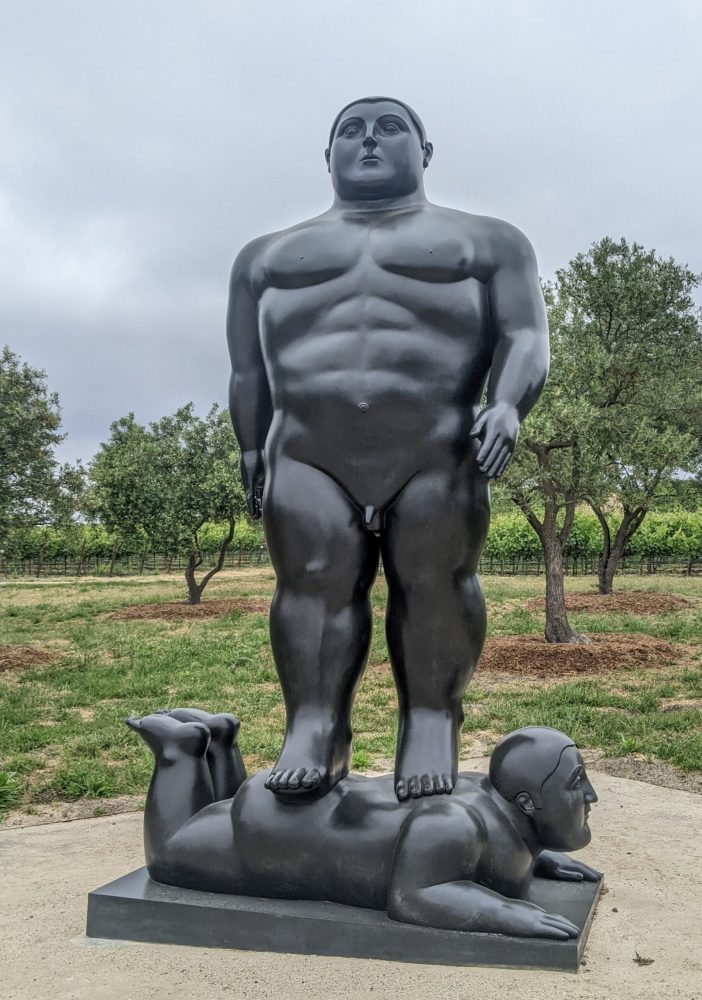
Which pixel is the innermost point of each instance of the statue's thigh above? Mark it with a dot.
(437, 525)
(313, 530)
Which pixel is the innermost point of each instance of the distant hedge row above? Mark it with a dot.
(669, 535)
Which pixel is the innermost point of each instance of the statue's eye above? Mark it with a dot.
(391, 127)
(350, 131)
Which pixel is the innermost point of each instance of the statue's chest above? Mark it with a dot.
(367, 253)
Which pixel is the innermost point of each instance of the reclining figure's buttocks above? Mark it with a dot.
(361, 342)
(463, 862)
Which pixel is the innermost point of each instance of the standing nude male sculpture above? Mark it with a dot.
(361, 342)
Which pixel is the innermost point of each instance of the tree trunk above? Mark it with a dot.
(40, 559)
(194, 590)
(113, 560)
(557, 627)
(612, 551)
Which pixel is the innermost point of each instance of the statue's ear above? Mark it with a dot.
(428, 153)
(525, 803)
(327, 157)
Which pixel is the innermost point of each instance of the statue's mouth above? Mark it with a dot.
(370, 159)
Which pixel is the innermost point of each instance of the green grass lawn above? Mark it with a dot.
(62, 732)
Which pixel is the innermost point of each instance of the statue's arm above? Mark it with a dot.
(432, 881)
(249, 395)
(520, 358)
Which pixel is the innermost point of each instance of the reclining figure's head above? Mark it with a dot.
(541, 772)
(377, 149)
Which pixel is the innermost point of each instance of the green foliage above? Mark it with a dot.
(9, 791)
(30, 419)
(91, 780)
(169, 487)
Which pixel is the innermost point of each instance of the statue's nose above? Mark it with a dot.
(369, 143)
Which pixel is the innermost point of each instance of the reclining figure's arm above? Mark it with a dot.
(431, 884)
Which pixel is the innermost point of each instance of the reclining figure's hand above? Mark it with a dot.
(551, 864)
(524, 919)
(253, 478)
(498, 427)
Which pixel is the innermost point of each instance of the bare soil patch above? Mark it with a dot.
(177, 610)
(531, 655)
(654, 772)
(20, 657)
(633, 602)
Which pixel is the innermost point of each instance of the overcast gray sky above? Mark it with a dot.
(142, 143)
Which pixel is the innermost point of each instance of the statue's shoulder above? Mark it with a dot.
(250, 263)
(494, 242)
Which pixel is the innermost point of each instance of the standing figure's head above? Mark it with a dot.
(377, 149)
(541, 772)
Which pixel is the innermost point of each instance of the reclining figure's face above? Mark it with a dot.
(566, 797)
(376, 152)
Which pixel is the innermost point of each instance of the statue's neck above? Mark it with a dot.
(414, 199)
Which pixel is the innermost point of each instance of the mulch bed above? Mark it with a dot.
(177, 610)
(19, 657)
(531, 655)
(637, 602)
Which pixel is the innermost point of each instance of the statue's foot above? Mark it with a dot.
(426, 763)
(313, 762)
(223, 727)
(162, 734)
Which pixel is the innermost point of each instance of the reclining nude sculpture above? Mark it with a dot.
(463, 862)
(361, 342)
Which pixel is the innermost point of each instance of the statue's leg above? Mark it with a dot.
(223, 755)
(180, 786)
(436, 622)
(188, 837)
(325, 563)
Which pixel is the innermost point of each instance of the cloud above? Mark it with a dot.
(144, 144)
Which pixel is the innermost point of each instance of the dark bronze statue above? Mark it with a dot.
(361, 342)
(461, 863)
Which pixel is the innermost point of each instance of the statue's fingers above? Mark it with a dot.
(502, 464)
(490, 441)
(556, 920)
(569, 874)
(490, 456)
(497, 462)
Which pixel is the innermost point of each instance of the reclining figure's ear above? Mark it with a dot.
(525, 803)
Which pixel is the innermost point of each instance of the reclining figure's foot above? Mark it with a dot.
(313, 759)
(223, 755)
(224, 728)
(168, 738)
(427, 755)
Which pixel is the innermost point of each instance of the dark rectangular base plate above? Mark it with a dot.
(134, 908)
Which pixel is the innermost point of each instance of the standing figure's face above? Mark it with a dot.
(566, 797)
(376, 152)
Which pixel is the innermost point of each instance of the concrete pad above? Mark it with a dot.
(646, 839)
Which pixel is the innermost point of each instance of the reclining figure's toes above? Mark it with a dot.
(162, 733)
(223, 726)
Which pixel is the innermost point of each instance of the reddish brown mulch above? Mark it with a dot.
(532, 655)
(177, 610)
(637, 602)
(19, 657)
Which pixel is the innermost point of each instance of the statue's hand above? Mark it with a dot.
(253, 478)
(551, 864)
(497, 426)
(524, 919)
